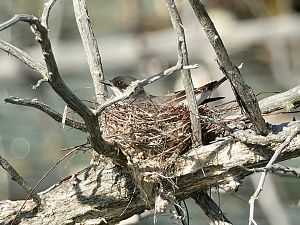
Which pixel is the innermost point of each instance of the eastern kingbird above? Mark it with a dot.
(120, 83)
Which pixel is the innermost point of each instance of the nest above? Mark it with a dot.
(152, 135)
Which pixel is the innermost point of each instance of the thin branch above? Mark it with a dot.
(210, 208)
(131, 88)
(91, 48)
(244, 94)
(278, 170)
(46, 109)
(294, 132)
(19, 18)
(19, 179)
(26, 59)
(39, 82)
(186, 74)
(167, 72)
(43, 177)
(181, 214)
(23, 57)
(46, 12)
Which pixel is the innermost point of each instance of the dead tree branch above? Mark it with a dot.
(293, 133)
(23, 57)
(46, 12)
(104, 193)
(59, 86)
(186, 74)
(244, 94)
(210, 208)
(46, 109)
(91, 48)
(279, 170)
(19, 179)
(286, 100)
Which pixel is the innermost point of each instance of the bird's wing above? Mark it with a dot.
(202, 93)
(210, 88)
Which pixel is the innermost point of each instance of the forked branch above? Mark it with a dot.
(57, 83)
(293, 133)
(19, 179)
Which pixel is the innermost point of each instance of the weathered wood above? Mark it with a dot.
(107, 191)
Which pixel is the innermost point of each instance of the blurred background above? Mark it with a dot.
(135, 37)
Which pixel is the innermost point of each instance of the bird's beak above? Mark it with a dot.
(106, 82)
(112, 87)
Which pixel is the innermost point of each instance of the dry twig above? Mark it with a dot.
(91, 48)
(278, 170)
(244, 94)
(86, 190)
(46, 109)
(57, 83)
(210, 208)
(19, 179)
(40, 180)
(182, 54)
(294, 132)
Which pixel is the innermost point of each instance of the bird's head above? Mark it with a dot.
(120, 83)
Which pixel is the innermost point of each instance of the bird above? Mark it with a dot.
(119, 84)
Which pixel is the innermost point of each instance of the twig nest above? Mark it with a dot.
(149, 135)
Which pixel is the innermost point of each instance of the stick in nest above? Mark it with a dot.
(152, 133)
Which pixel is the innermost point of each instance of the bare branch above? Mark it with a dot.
(40, 81)
(27, 60)
(118, 98)
(186, 74)
(59, 86)
(293, 133)
(19, 18)
(286, 100)
(105, 191)
(54, 77)
(46, 12)
(278, 170)
(19, 179)
(244, 94)
(249, 137)
(46, 109)
(91, 48)
(23, 57)
(167, 72)
(43, 177)
(210, 208)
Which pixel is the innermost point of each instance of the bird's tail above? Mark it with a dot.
(206, 93)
